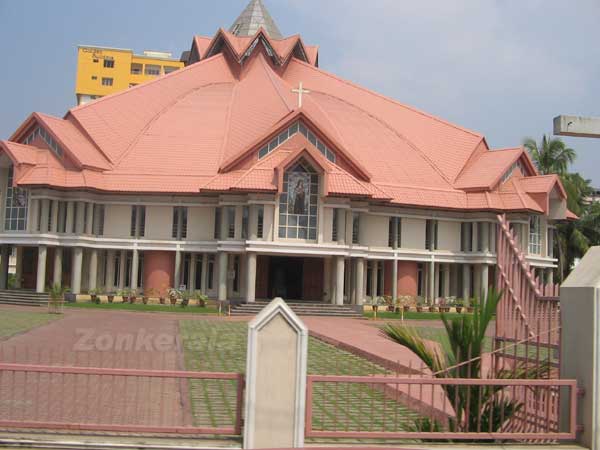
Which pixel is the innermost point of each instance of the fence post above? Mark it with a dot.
(580, 341)
(275, 379)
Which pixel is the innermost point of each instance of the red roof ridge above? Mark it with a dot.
(146, 83)
(275, 85)
(505, 149)
(226, 135)
(386, 98)
(412, 186)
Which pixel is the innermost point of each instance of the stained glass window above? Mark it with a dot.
(298, 203)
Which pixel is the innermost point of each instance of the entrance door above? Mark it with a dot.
(285, 278)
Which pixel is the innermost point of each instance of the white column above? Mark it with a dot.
(204, 273)
(333, 281)
(339, 280)
(348, 226)
(4, 263)
(58, 259)
(44, 216)
(110, 270)
(177, 270)
(327, 278)
(485, 236)
(352, 280)
(253, 222)
(436, 293)
(222, 291)
(93, 276)
(80, 217)
(394, 279)
(268, 221)
(135, 261)
(475, 236)
(341, 225)
(477, 282)
(70, 217)
(76, 270)
(484, 281)
(40, 285)
(89, 218)
(466, 283)
(18, 267)
(446, 286)
(360, 289)
(431, 276)
(33, 215)
(250, 277)
(494, 236)
(122, 267)
(239, 212)
(374, 280)
(192, 273)
(54, 220)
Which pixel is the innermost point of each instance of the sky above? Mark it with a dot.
(504, 68)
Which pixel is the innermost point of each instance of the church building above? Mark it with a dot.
(251, 174)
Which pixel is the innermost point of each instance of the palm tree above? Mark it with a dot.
(475, 406)
(551, 155)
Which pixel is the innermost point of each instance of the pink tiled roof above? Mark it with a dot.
(199, 129)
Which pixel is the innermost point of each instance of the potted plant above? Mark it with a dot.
(201, 299)
(123, 294)
(56, 300)
(161, 294)
(419, 305)
(94, 296)
(433, 308)
(174, 295)
(445, 304)
(406, 300)
(459, 306)
(472, 305)
(133, 293)
(110, 296)
(185, 298)
(389, 302)
(148, 293)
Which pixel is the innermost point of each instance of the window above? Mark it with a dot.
(46, 137)
(74, 224)
(516, 165)
(98, 220)
(94, 77)
(152, 69)
(291, 131)
(117, 271)
(236, 271)
(535, 235)
(217, 230)
(138, 221)
(136, 69)
(95, 60)
(245, 214)
(261, 221)
(395, 232)
(51, 206)
(109, 63)
(210, 270)
(107, 81)
(15, 212)
(230, 222)
(62, 217)
(298, 203)
(198, 273)
(169, 69)
(420, 279)
(85, 217)
(179, 230)
(431, 234)
(466, 237)
(334, 225)
(355, 227)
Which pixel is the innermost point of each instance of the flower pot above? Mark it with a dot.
(95, 299)
(201, 303)
(406, 308)
(444, 309)
(111, 298)
(419, 309)
(459, 309)
(390, 308)
(161, 300)
(432, 309)
(470, 309)
(145, 300)
(132, 299)
(173, 301)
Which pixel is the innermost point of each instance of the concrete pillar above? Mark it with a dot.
(222, 278)
(352, 280)
(43, 226)
(135, 261)
(485, 237)
(394, 279)
(327, 279)
(224, 223)
(431, 282)
(339, 280)
(374, 280)
(54, 219)
(466, 282)
(550, 277)
(250, 277)
(70, 217)
(58, 261)
(110, 270)
(18, 267)
(268, 221)
(33, 215)
(253, 223)
(485, 283)
(76, 270)
(437, 270)
(177, 270)
(349, 217)
(360, 288)
(494, 236)
(341, 225)
(89, 218)
(4, 258)
(239, 212)
(446, 286)
(122, 267)
(333, 281)
(40, 285)
(79, 220)
(204, 273)
(192, 273)
(475, 236)
(579, 349)
(93, 276)
(477, 282)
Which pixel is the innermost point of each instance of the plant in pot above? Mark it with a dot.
(123, 294)
(433, 307)
(389, 302)
(459, 306)
(148, 294)
(472, 305)
(446, 303)
(185, 298)
(174, 295)
(110, 296)
(201, 299)
(161, 294)
(57, 298)
(419, 305)
(406, 300)
(94, 296)
(133, 293)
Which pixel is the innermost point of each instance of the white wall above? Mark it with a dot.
(117, 221)
(201, 224)
(413, 233)
(449, 236)
(374, 230)
(159, 222)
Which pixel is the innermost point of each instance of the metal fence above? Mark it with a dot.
(113, 400)
(428, 408)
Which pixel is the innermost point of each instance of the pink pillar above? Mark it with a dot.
(158, 270)
(407, 278)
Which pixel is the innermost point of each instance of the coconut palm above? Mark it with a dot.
(475, 406)
(551, 155)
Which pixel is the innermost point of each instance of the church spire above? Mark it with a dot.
(254, 16)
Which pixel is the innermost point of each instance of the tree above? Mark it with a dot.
(462, 359)
(551, 155)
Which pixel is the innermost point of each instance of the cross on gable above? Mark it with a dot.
(300, 90)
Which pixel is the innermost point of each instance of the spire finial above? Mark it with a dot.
(254, 16)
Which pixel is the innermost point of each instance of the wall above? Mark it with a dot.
(407, 278)
(448, 236)
(374, 230)
(201, 224)
(159, 222)
(413, 233)
(327, 223)
(158, 270)
(117, 221)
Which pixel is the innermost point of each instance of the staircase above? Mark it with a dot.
(300, 308)
(22, 297)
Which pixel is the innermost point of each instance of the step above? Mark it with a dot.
(300, 308)
(22, 297)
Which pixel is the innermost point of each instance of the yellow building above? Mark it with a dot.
(103, 70)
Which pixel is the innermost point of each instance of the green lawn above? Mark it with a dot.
(143, 308)
(221, 347)
(14, 322)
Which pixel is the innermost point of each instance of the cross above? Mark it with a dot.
(300, 91)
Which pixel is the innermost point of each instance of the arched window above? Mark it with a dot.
(298, 202)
